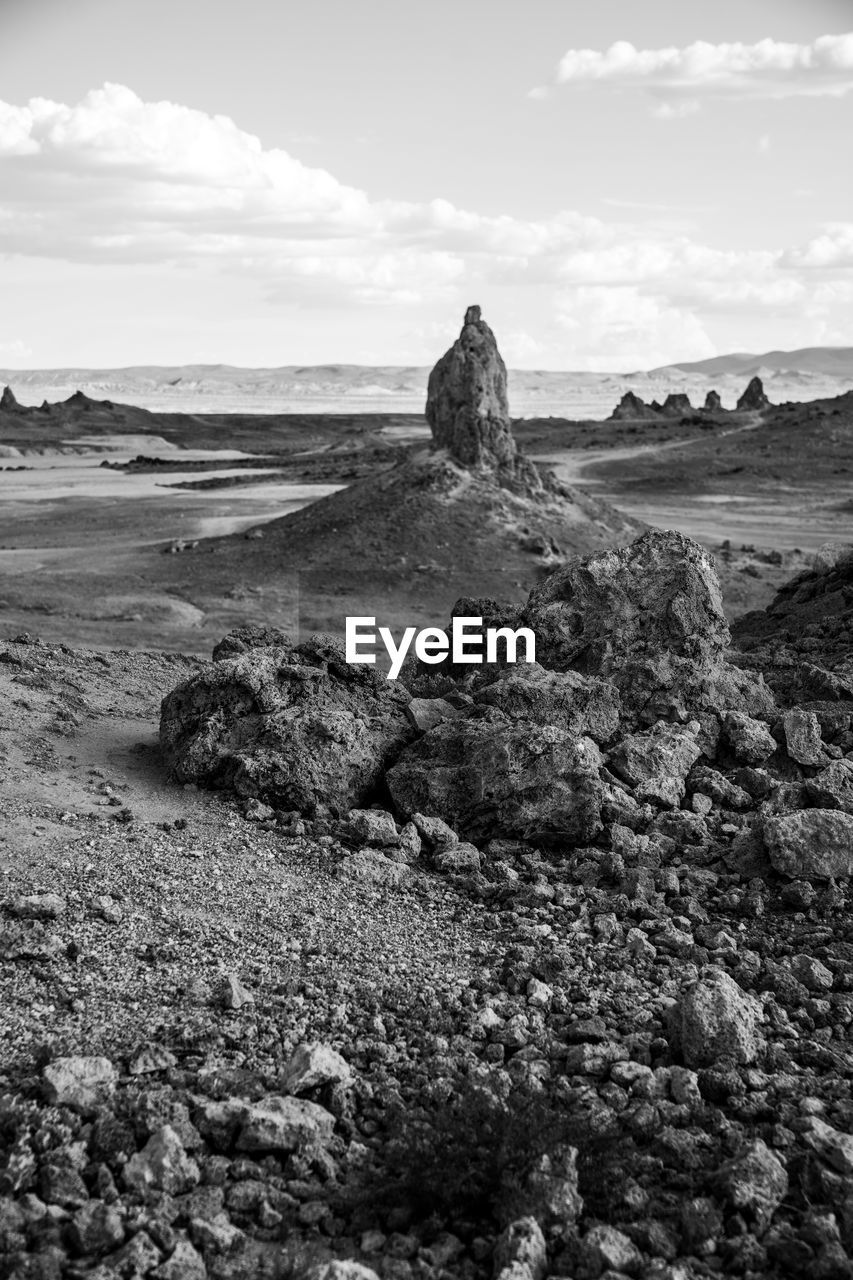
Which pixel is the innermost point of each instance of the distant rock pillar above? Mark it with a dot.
(467, 407)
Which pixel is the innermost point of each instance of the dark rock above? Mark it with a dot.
(8, 402)
(677, 405)
(490, 773)
(297, 728)
(753, 397)
(467, 407)
(713, 403)
(630, 407)
(242, 639)
(579, 705)
(814, 844)
(649, 617)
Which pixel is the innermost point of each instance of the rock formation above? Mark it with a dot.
(8, 401)
(469, 513)
(753, 397)
(677, 405)
(630, 407)
(713, 403)
(467, 407)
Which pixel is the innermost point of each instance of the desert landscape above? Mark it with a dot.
(510, 970)
(426, 641)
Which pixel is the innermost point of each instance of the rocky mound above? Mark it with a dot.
(468, 510)
(713, 403)
(571, 998)
(803, 641)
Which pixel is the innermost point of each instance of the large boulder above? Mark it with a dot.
(713, 403)
(812, 844)
(467, 406)
(488, 774)
(648, 617)
(299, 728)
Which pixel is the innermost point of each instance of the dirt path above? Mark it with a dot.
(571, 464)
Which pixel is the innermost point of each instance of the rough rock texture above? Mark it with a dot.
(467, 407)
(812, 844)
(649, 617)
(579, 705)
(753, 397)
(300, 729)
(490, 773)
(714, 1019)
(713, 403)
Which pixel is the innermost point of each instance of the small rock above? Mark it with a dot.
(162, 1164)
(803, 740)
(811, 973)
(715, 1019)
(749, 740)
(96, 1228)
(231, 994)
(284, 1124)
(184, 1263)
(82, 1083)
(374, 827)
(39, 906)
(831, 1145)
(426, 713)
(611, 1250)
(312, 1065)
(755, 1181)
(151, 1058)
(522, 1242)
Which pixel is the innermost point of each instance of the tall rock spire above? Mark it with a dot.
(467, 407)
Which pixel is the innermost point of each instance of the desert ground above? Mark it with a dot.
(517, 972)
(94, 498)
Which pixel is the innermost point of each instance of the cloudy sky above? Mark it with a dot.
(618, 184)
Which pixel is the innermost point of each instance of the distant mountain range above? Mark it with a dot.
(834, 362)
(806, 374)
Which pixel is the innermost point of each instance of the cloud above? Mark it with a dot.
(622, 329)
(767, 69)
(832, 249)
(16, 350)
(115, 182)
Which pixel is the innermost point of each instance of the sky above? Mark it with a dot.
(618, 185)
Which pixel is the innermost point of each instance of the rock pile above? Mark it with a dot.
(634, 714)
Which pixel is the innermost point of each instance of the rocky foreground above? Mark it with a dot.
(523, 971)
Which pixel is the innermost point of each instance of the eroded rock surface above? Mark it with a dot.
(300, 728)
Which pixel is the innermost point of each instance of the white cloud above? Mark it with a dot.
(622, 329)
(16, 350)
(832, 249)
(115, 181)
(766, 69)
